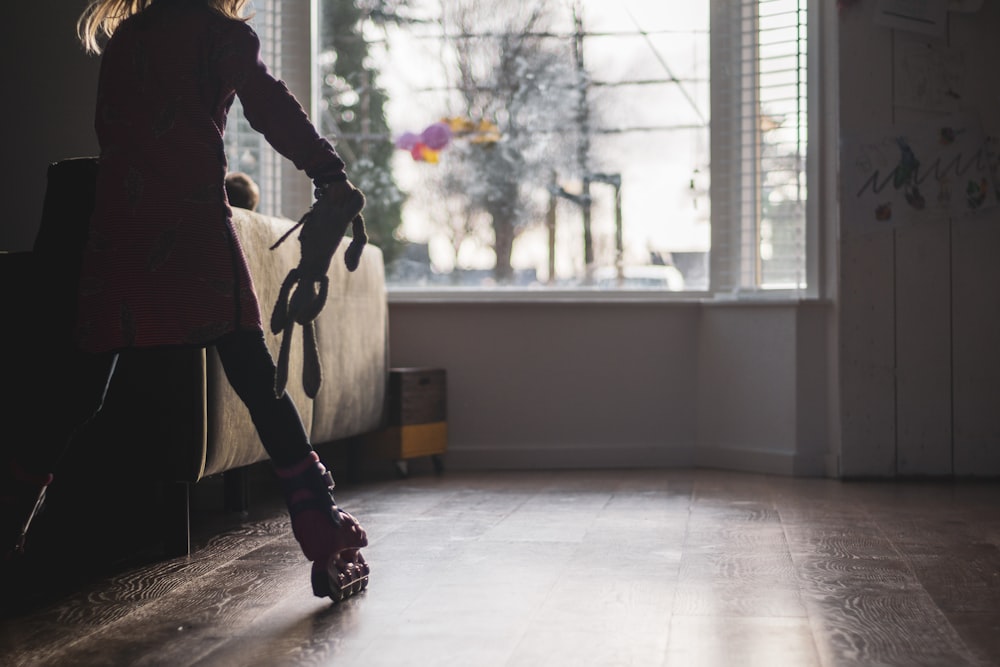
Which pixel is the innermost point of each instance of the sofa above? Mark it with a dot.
(174, 408)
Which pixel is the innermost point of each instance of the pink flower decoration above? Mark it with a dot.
(407, 140)
(436, 136)
(417, 151)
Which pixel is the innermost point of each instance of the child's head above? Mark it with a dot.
(101, 17)
(242, 191)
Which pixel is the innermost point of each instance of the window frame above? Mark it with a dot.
(817, 129)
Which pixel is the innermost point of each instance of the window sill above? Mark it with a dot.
(478, 295)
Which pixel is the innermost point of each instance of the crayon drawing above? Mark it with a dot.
(937, 170)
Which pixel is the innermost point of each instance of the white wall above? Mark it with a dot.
(763, 385)
(559, 384)
(48, 108)
(556, 384)
(919, 302)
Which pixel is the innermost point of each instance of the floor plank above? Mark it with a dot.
(658, 568)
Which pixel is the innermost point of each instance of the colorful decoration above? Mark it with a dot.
(436, 136)
(923, 170)
(482, 132)
(427, 146)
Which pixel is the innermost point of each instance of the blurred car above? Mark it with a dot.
(650, 276)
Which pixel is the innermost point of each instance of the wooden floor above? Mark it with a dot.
(644, 568)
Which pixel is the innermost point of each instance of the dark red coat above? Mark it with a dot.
(163, 265)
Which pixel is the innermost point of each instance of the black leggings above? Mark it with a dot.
(250, 370)
(248, 365)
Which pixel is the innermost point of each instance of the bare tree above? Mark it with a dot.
(513, 71)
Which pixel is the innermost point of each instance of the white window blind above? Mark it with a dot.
(759, 141)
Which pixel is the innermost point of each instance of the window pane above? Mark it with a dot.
(759, 138)
(782, 83)
(246, 149)
(536, 144)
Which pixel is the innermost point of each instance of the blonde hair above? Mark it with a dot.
(102, 17)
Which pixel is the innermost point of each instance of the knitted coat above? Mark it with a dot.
(163, 264)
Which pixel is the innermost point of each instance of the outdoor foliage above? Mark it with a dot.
(352, 110)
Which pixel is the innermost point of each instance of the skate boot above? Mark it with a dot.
(21, 499)
(330, 537)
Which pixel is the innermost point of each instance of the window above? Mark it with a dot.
(759, 141)
(280, 24)
(587, 146)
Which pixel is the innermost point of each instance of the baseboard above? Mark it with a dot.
(771, 462)
(548, 458)
(635, 456)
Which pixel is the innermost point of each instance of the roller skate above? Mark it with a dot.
(22, 497)
(329, 537)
